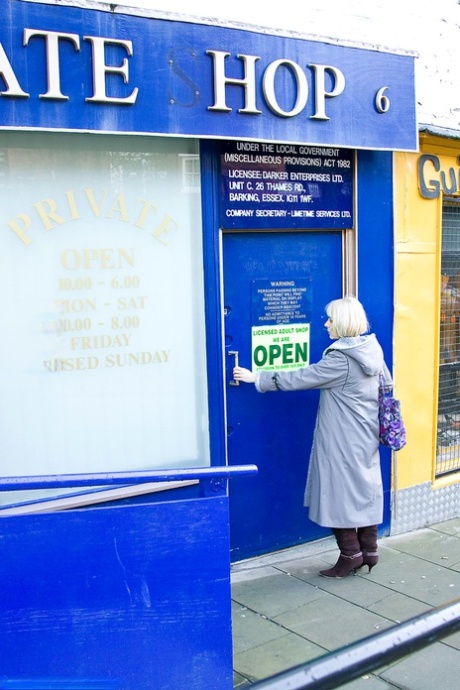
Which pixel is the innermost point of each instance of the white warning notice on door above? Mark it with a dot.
(284, 346)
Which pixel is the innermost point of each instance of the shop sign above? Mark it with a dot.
(281, 347)
(285, 186)
(76, 68)
(433, 178)
(281, 315)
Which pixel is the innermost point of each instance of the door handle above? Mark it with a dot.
(235, 354)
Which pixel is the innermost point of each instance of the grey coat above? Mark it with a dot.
(344, 483)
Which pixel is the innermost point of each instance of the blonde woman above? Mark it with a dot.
(344, 485)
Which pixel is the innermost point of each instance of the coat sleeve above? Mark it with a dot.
(329, 372)
(388, 381)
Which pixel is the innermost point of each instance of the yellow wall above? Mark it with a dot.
(417, 290)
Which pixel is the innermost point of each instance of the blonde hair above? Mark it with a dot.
(347, 316)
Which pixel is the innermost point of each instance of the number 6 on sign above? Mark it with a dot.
(382, 102)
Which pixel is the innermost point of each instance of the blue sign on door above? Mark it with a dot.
(281, 301)
(285, 186)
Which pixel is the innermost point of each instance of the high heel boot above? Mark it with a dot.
(351, 557)
(367, 537)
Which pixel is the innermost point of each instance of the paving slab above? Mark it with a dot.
(420, 579)
(448, 527)
(256, 572)
(437, 666)
(240, 682)
(276, 656)
(430, 545)
(306, 569)
(361, 590)
(399, 608)
(274, 594)
(307, 551)
(251, 629)
(332, 622)
(453, 641)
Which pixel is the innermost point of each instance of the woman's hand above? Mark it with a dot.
(244, 375)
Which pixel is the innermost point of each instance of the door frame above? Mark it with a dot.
(368, 255)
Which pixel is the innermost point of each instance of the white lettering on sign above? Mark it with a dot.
(248, 84)
(287, 86)
(100, 70)
(328, 81)
(6, 73)
(52, 39)
(270, 92)
(52, 65)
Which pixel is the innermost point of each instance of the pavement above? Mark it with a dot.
(285, 614)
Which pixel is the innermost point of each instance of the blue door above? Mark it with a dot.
(273, 430)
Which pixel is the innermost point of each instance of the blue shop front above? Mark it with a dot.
(176, 197)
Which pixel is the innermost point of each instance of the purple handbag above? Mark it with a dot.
(392, 432)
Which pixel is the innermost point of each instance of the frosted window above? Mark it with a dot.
(102, 351)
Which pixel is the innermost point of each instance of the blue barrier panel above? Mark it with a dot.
(131, 597)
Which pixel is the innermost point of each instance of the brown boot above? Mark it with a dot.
(350, 558)
(367, 537)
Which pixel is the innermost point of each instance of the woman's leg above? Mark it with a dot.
(351, 557)
(367, 537)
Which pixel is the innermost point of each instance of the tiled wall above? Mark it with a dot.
(421, 506)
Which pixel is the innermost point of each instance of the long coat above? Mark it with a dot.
(344, 483)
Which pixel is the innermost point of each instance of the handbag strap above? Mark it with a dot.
(384, 388)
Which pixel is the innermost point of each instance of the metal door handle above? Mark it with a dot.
(235, 354)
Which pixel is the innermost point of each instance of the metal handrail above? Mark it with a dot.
(334, 669)
(53, 481)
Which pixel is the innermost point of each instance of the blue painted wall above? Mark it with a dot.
(376, 265)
